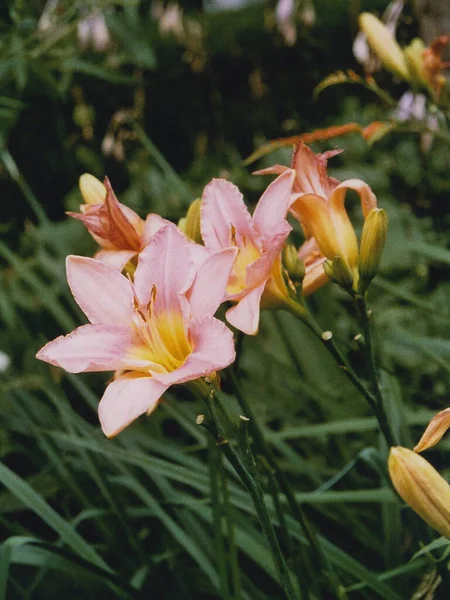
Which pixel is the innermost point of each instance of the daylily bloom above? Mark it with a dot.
(318, 203)
(154, 332)
(256, 280)
(120, 232)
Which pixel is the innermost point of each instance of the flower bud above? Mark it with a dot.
(293, 264)
(435, 430)
(414, 59)
(384, 45)
(338, 271)
(421, 487)
(371, 247)
(92, 189)
(190, 224)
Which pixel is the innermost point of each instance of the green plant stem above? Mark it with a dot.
(255, 492)
(295, 508)
(371, 362)
(329, 343)
(215, 466)
(232, 548)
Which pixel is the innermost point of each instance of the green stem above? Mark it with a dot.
(295, 508)
(256, 493)
(371, 363)
(232, 548)
(215, 465)
(327, 340)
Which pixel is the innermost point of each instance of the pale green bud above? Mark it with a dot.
(371, 247)
(384, 45)
(92, 189)
(339, 271)
(293, 264)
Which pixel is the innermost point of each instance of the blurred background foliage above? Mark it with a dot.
(161, 97)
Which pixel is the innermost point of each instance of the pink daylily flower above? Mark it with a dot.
(155, 332)
(318, 203)
(120, 232)
(256, 280)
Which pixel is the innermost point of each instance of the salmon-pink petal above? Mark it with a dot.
(313, 212)
(121, 224)
(314, 278)
(212, 350)
(273, 205)
(311, 171)
(437, 427)
(245, 315)
(166, 266)
(344, 229)
(115, 258)
(102, 292)
(127, 398)
(366, 195)
(225, 220)
(273, 170)
(153, 223)
(208, 289)
(89, 348)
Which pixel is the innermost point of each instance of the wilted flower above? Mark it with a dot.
(154, 332)
(120, 232)
(421, 486)
(256, 280)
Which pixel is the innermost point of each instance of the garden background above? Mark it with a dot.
(162, 99)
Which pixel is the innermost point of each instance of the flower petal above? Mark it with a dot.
(343, 227)
(311, 171)
(313, 213)
(117, 259)
(208, 289)
(102, 293)
(225, 216)
(165, 265)
(89, 348)
(435, 430)
(153, 223)
(259, 271)
(213, 349)
(245, 315)
(315, 277)
(126, 399)
(366, 195)
(273, 205)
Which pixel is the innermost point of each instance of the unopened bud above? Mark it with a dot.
(338, 271)
(190, 225)
(414, 59)
(421, 487)
(373, 238)
(92, 189)
(293, 264)
(383, 43)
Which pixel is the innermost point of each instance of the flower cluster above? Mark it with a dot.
(152, 290)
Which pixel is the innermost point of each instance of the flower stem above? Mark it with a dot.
(374, 398)
(371, 363)
(295, 508)
(256, 493)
